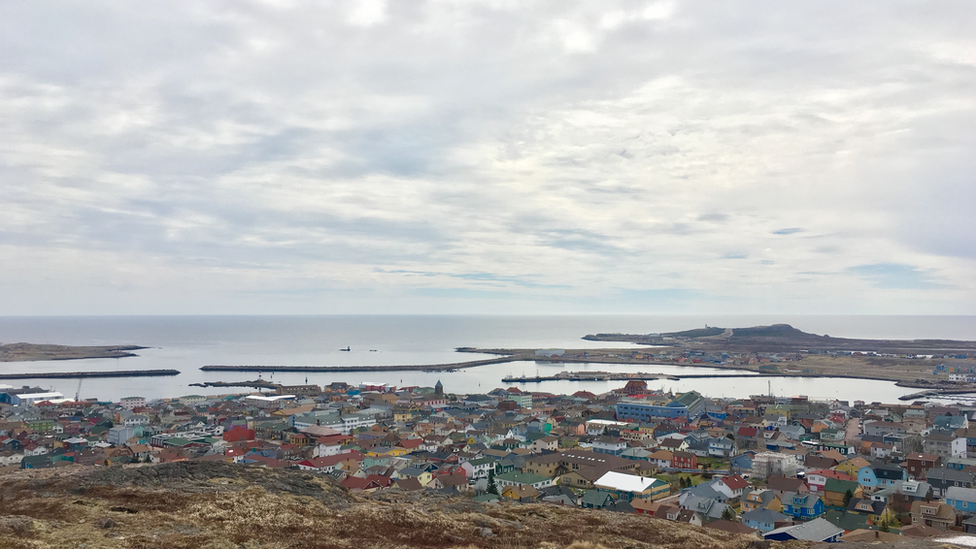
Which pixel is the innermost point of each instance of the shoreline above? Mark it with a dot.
(107, 373)
(40, 352)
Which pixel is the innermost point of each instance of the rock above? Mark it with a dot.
(486, 533)
(106, 522)
(17, 526)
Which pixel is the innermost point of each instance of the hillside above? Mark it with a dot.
(202, 505)
(784, 338)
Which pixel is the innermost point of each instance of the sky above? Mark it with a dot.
(497, 157)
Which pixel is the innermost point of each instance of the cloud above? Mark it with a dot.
(896, 276)
(548, 154)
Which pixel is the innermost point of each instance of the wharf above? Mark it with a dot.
(929, 393)
(257, 384)
(390, 368)
(614, 376)
(76, 375)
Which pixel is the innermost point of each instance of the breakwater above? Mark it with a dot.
(76, 375)
(618, 376)
(390, 368)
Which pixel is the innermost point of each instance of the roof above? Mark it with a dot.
(815, 530)
(785, 484)
(959, 493)
(624, 482)
(735, 482)
(764, 515)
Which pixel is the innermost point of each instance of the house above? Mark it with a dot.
(520, 492)
(516, 479)
(661, 458)
(835, 492)
(919, 464)
(945, 446)
(963, 500)
(732, 486)
(760, 499)
(707, 509)
(802, 506)
(817, 480)
(684, 460)
(763, 520)
(562, 495)
(933, 513)
(609, 445)
(781, 485)
(942, 479)
(815, 530)
(646, 507)
(872, 509)
(871, 477)
(595, 499)
(627, 487)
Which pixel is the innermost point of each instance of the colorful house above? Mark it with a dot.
(802, 506)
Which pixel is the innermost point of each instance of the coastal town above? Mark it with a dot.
(779, 468)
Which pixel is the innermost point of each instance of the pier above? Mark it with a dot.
(107, 373)
(256, 384)
(616, 376)
(390, 368)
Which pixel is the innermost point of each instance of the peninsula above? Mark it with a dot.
(30, 352)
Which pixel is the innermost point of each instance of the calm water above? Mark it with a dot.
(186, 343)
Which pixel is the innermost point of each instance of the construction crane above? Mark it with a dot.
(78, 391)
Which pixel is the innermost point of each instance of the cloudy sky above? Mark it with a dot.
(487, 157)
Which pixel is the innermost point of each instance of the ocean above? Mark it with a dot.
(186, 343)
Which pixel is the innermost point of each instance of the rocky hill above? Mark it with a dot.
(203, 505)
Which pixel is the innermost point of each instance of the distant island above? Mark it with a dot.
(30, 352)
(784, 338)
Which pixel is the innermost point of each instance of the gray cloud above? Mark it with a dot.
(565, 151)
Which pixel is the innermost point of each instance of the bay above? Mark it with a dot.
(187, 342)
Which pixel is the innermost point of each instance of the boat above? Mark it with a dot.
(346, 349)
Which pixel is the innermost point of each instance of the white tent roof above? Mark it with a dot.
(624, 482)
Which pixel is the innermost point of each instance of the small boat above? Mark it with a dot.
(346, 349)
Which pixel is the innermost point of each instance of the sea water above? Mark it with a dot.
(186, 343)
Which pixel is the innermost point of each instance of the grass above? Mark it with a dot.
(250, 517)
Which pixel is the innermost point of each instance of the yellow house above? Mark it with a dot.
(761, 499)
(403, 415)
(380, 451)
(519, 491)
(852, 466)
(424, 478)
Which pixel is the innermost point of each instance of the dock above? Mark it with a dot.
(256, 384)
(388, 368)
(616, 376)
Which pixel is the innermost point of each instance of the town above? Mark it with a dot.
(778, 468)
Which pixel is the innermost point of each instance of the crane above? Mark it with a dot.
(78, 391)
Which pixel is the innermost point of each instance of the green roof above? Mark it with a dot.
(837, 485)
(847, 521)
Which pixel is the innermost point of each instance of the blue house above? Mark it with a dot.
(880, 475)
(741, 462)
(961, 499)
(802, 506)
(762, 519)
